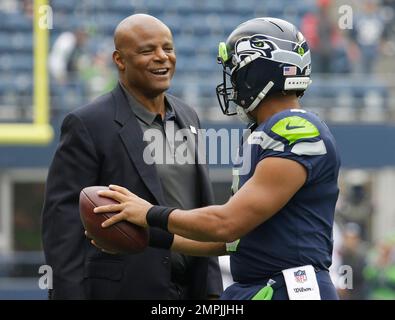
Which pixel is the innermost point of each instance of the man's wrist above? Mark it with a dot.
(160, 239)
(158, 216)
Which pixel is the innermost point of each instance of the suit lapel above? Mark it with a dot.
(132, 138)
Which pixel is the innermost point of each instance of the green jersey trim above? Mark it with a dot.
(295, 128)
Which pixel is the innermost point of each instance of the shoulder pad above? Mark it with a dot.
(294, 128)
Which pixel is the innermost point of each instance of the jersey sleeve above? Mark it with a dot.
(294, 137)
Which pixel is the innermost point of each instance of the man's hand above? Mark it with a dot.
(131, 207)
(97, 246)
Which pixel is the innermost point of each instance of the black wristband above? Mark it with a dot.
(158, 216)
(160, 239)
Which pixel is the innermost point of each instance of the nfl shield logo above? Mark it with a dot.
(300, 276)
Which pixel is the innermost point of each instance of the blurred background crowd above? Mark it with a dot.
(353, 89)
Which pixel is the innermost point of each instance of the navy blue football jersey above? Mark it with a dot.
(301, 232)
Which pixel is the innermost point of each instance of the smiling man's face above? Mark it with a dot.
(148, 58)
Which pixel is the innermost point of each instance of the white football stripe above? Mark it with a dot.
(309, 148)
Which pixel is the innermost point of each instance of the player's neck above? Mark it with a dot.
(273, 105)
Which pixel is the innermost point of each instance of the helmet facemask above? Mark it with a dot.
(226, 92)
(235, 69)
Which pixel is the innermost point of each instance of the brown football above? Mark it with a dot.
(122, 237)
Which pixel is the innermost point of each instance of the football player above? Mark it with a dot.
(277, 227)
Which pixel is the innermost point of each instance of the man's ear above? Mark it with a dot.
(118, 60)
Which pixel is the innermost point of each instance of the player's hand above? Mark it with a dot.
(97, 246)
(131, 207)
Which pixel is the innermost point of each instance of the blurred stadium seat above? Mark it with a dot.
(18, 276)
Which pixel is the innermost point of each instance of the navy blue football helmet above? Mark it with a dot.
(262, 56)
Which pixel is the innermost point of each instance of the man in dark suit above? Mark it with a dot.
(103, 143)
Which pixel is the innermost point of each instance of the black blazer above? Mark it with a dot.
(102, 143)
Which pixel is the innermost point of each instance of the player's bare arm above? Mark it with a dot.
(273, 184)
(198, 248)
(185, 246)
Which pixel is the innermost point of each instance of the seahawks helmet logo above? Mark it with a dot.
(279, 50)
(247, 46)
